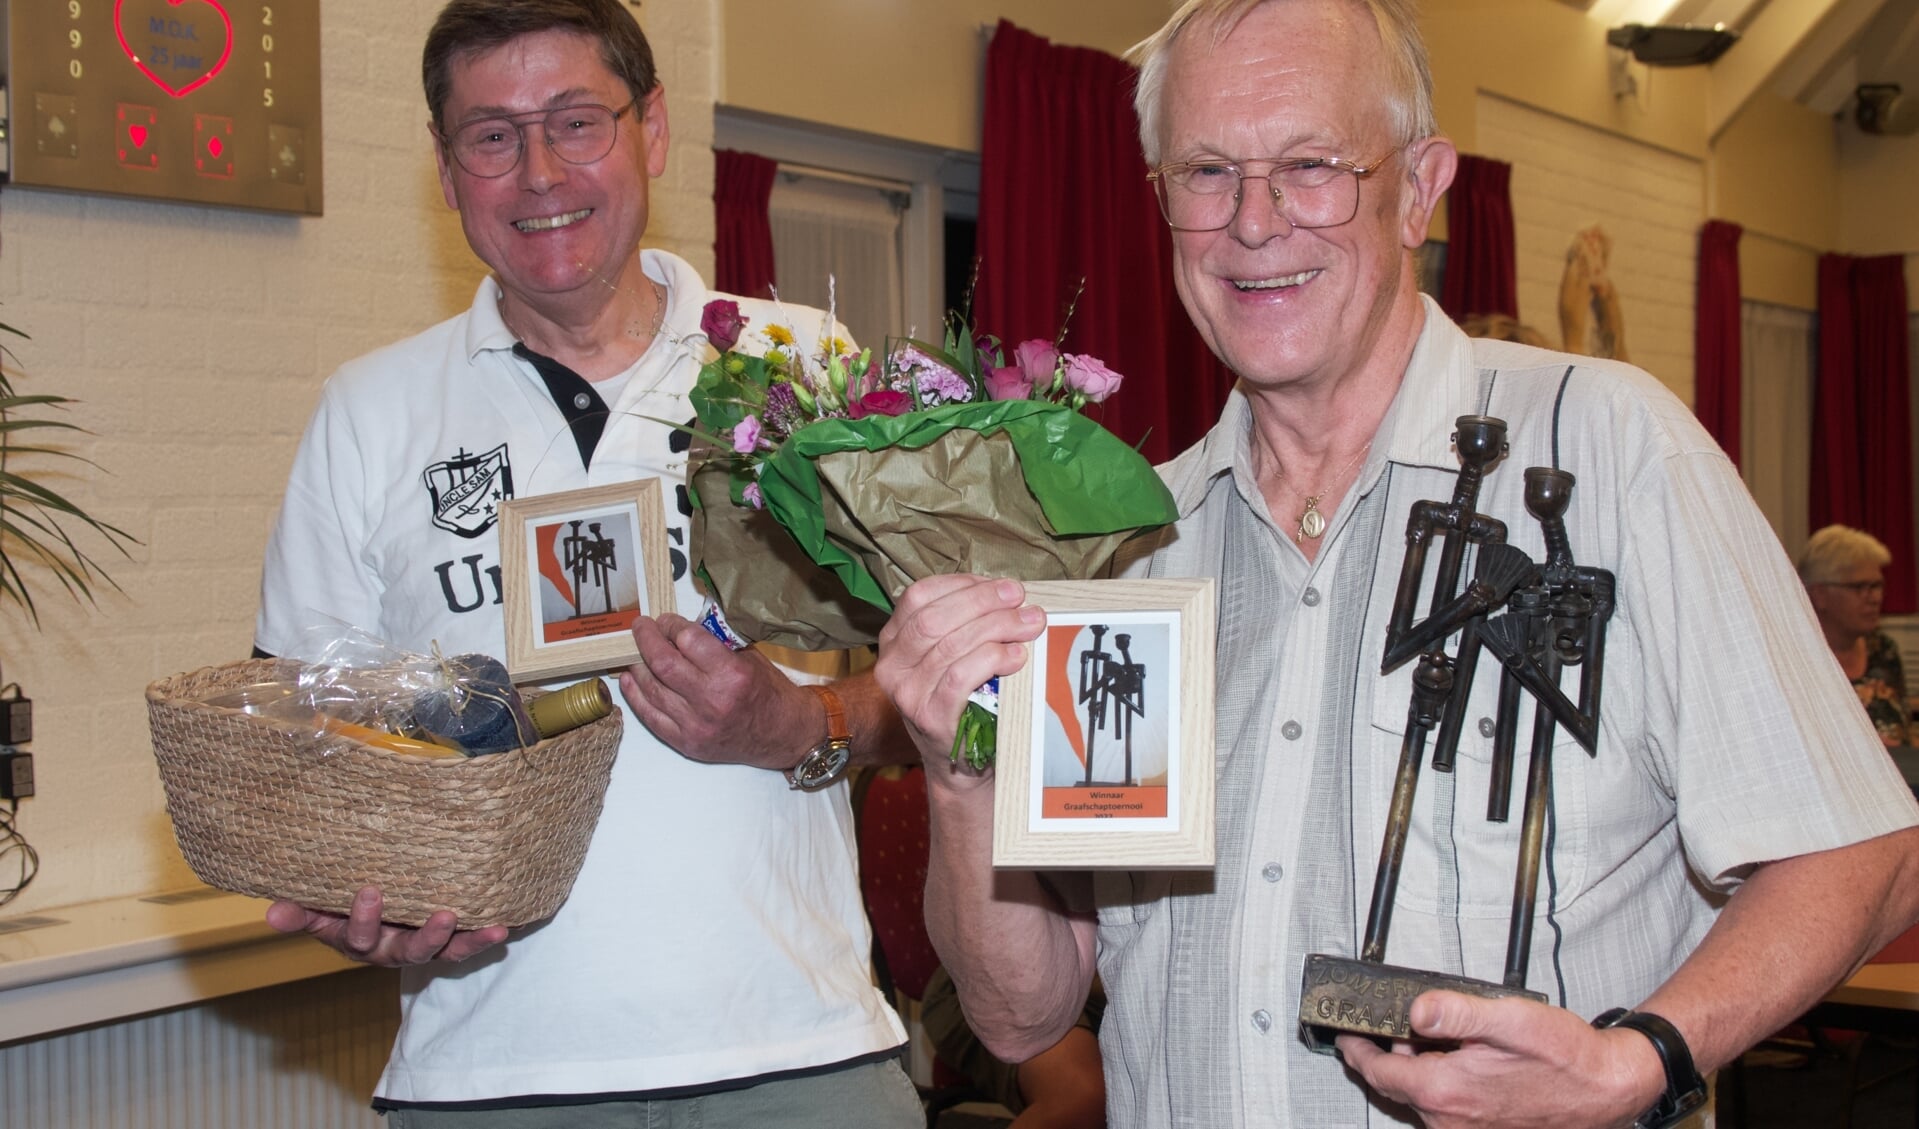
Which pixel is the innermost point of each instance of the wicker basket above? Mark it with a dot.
(259, 810)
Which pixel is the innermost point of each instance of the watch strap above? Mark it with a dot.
(1685, 1089)
(836, 727)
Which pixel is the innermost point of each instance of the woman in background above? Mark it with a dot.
(1844, 573)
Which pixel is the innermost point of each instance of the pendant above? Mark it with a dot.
(1311, 523)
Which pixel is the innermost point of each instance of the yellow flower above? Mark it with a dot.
(778, 334)
(837, 347)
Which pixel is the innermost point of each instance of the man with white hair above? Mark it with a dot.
(1738, 844)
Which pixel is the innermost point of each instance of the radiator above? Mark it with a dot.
(298, 1056)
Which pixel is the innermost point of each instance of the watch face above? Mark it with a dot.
(822, 767)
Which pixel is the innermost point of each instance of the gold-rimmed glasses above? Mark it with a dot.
(1307, 192)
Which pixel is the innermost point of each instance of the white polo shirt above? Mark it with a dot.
(716, 930)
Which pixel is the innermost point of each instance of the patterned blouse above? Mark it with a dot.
(1882, 689)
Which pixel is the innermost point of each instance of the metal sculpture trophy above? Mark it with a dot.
(1554, 616)
(1112, 690)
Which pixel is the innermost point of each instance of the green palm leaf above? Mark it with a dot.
(32, 513)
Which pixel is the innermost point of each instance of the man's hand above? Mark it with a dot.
(947, 637)
(362, 936)
(715, 705)
(1511, 1063)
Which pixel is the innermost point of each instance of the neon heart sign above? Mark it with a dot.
(166, 57)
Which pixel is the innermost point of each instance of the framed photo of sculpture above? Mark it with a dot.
(1105, 756)
(577, 569)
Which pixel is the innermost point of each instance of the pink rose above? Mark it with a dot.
(1009, 383)
(746, 435)
(885, 402)
(1090, 378)
(1039, 360)
(722, 321)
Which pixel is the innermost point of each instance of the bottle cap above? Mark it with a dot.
(579, 704)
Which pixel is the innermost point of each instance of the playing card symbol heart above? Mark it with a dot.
(178, 41)
(138, 135)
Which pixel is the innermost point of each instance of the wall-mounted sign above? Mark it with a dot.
(204, 101)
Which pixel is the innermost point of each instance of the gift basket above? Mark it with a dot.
(311, 813)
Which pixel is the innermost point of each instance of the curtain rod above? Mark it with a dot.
(884, 184)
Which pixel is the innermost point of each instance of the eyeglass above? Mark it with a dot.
(1307, 191)
(1860, 587)
(578, 135)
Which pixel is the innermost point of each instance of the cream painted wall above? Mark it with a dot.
(909, 69)
(1775, 171)
(197, 339)
(1876, 178)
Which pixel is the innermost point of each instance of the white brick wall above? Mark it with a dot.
(1568, 176)
(197, 339)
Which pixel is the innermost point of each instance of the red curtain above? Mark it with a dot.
(1861, 435)
(1064, 197)
(1481, 265)
(743, 237)
(1716, 335)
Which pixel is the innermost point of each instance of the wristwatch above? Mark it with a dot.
(826, 762)
(1685, 1090)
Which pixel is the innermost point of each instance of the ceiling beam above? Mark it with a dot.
(1765, 47)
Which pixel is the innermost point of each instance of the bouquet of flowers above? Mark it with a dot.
(884, 468)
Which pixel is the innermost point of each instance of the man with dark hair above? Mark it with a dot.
(710, 967)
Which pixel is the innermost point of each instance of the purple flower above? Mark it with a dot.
(783, 412)
(753, 496)
(885, 402)
(1039, 360)
(1009, 383)
(941, 385)
(937, 382)
(746, 435)
(722, 322)
(1090, 378)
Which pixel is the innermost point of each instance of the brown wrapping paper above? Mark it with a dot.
(770, 590)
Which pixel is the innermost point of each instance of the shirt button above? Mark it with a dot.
(1310, 598)
(1272, 872)
(1485, 727)
(1291, 731)
(1263, 1020)
(582, 401)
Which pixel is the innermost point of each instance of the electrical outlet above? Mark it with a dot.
(16, 774)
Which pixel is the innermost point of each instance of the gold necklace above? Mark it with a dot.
(659, 314)
(1312, 523)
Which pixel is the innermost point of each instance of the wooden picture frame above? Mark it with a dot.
(561, 555)
(1129, 784)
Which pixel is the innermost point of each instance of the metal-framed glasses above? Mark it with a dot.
(1305, 191)
(578, 135)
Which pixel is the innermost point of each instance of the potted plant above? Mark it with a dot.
(31, 514)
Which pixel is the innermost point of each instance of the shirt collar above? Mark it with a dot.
(1440, 376)
(1190, 476)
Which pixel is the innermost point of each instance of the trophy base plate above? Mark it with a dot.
(1347, 995)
